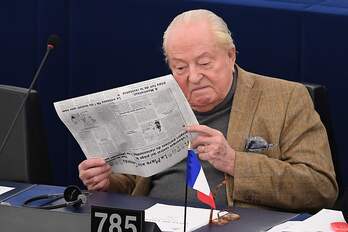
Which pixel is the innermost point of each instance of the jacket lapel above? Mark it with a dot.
(245, 102)
(244, 106)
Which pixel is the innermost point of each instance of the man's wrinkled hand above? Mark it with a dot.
(213, 147)
(94, 174)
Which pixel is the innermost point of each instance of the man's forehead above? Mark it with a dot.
(195, 41)
(183, 57)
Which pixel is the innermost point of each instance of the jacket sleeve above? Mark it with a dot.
(129, 184)
(122, 183)
(302, 176)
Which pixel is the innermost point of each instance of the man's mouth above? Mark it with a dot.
(199, 88)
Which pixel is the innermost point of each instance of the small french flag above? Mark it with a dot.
(197, 180)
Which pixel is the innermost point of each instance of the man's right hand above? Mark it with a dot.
(95, 173)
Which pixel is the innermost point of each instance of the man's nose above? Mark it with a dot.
(195, 75)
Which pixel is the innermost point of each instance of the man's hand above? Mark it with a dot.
(95, 173)
(213, 147)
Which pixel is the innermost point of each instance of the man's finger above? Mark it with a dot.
(92, 172)
(99, 186)
(203, 141)
(90, 163)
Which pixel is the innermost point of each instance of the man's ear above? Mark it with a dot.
(232, 54)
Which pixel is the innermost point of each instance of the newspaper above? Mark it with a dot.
(138, 129)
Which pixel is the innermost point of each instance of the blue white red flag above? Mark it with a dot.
(197, 180)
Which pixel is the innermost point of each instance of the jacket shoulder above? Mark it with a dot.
(272, 86)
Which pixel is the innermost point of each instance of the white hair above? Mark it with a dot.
(218, 26)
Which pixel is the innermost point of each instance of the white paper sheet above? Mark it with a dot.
(320, 222)
(171, 218)
(4, 189)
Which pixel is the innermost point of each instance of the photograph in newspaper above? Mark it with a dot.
(138, 129)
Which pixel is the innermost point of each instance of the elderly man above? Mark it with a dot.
(293, 170)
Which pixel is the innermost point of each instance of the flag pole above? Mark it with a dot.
(185, 206)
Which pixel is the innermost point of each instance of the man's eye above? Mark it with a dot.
(180, 68)
(204, 63)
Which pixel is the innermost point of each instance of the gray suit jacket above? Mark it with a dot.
(296, 173)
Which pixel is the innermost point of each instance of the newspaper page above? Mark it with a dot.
(138, 129)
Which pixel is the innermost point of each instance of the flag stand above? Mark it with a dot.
(196, 179)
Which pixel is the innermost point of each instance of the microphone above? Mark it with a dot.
(73, 197)
(52, 43)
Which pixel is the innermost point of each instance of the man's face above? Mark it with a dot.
(202, 68)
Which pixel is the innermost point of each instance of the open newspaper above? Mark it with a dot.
(138, 129)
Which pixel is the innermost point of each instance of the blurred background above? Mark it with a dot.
(107, 44)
